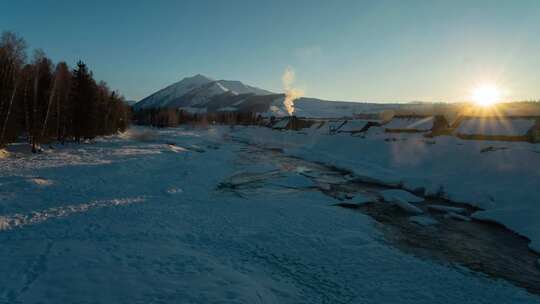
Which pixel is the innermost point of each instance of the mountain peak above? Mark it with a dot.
(200, 77)
(195, 90)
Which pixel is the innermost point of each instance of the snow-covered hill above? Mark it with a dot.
(201, 94)
(195, 91)
(318, 108)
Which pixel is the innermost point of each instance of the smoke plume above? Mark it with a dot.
(291, 93)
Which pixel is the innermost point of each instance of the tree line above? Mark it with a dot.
(43, 102)
(168, 117)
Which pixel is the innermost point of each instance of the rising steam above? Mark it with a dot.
(291, 93)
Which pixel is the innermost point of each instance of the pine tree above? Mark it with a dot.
(82, 102)
(48, 102)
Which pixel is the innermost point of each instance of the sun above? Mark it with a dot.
(486, 95)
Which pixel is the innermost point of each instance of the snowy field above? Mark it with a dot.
(502, 178)
(143, 218)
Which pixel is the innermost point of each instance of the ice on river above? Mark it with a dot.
(504, 182)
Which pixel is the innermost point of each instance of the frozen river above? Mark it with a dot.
(197, 216)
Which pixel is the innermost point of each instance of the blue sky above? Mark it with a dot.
(341, 50)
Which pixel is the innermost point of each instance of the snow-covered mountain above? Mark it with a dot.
(196, 91)
(201, 94)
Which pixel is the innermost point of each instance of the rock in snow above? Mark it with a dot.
(3, 153)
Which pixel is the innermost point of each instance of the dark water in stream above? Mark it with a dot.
(457, 241)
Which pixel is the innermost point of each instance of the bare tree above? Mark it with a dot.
(6, 119)
(12, 56)
(51, 97)
(47, 105)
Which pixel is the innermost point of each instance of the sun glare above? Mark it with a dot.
(486, 95)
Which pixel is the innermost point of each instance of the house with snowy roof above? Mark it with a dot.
(354, 126)
(499, 128)
(335, 124)
(416, 124)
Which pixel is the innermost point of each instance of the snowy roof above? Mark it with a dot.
(281, 124)
(411, 123)
(318, 124)
(354, 125)
(335, 124)
(495, 126)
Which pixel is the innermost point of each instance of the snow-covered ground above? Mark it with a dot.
(502, 178)
(139, 218)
